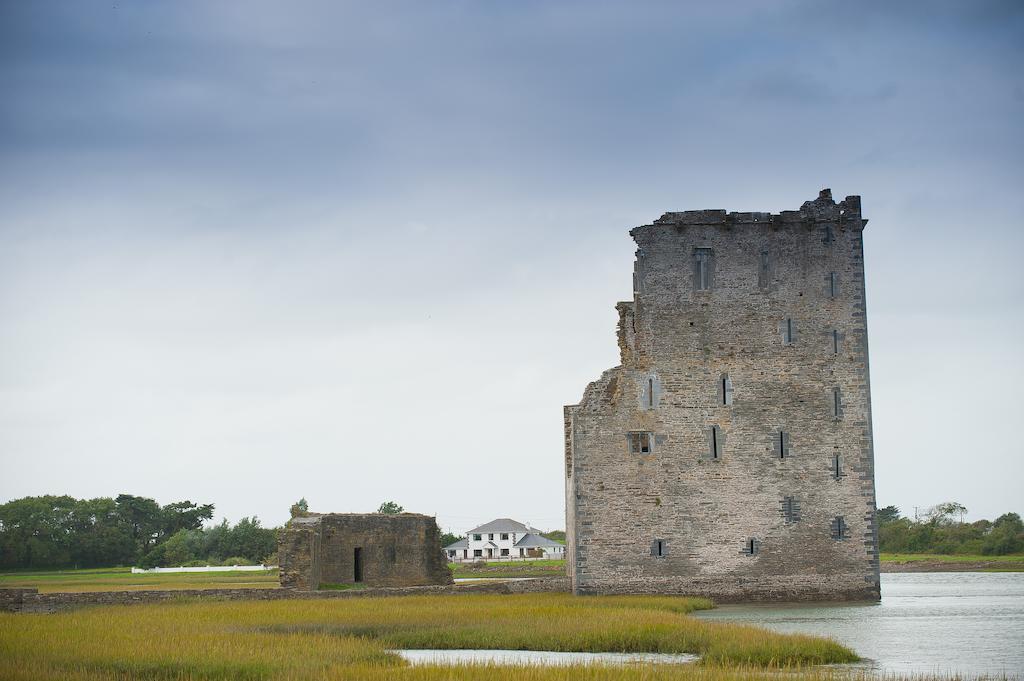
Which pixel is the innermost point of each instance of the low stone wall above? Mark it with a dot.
(30, 600)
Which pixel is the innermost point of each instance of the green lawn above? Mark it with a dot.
(119, 579)
(503, 569)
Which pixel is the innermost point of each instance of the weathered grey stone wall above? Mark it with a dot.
(726, 357)
(395, 550)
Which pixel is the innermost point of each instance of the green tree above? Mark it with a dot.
(555, 535)
(299, 508)
(889, 514)
(449, 538)
(390, 508)
(183, 515)
(142, 518)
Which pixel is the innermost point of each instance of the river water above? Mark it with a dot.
(955, 622)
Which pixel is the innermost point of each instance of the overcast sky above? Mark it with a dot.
(251, 252)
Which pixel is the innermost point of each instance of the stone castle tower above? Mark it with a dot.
(730, 455)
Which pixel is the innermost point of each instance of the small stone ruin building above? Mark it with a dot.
(730, 453)
(373, 549)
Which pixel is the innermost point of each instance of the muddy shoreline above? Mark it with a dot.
(953, 566)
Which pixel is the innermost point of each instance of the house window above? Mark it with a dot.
(840, 530)
(703, 266)
(751, 547)
(725, 390)
(790, 509)
(639, 443)
(504, 552)
(491, 536)
(788, 331)
(837, 403)
(477, 553)
(716, 442)
(782, 448)
(659, 548)
(504, 535)
(477, 537)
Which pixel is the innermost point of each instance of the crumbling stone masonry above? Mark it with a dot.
(371, 548)
(730, 454)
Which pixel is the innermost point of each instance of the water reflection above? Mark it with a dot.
(536, 657)
(966, 622)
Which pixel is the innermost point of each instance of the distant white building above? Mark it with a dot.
(504, 538)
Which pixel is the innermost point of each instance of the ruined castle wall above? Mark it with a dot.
(766, 344)
(390, 551)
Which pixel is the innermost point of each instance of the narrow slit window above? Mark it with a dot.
(659, 548)
(764, 272)
(751, 547)
(837, 403)
(716, 442)
(650, 392)
(835, 341)
(725, 390)
(832, 284)
(788, 331)
(827, 236)
(782, 444)
(703, 269)
(837, 471)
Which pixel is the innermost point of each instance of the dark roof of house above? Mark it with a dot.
(503, 525)
(460, 544)
(536, 541)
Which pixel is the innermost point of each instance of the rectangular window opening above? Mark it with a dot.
(650, 392)
(790, 509)
(837, 472)
(788, 334)
(639, 443)
(702, 271)
(837, 403)
(357, 564)
(835, 342)
(840, 530)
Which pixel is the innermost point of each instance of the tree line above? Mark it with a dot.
(941, 530)
(61, 531)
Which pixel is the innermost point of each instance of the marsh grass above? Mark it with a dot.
(121, 579)
(351, 638)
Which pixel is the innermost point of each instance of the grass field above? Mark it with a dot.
(533, 568)
(121, 579)
(350, 638)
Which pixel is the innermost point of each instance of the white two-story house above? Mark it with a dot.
(504, 538)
